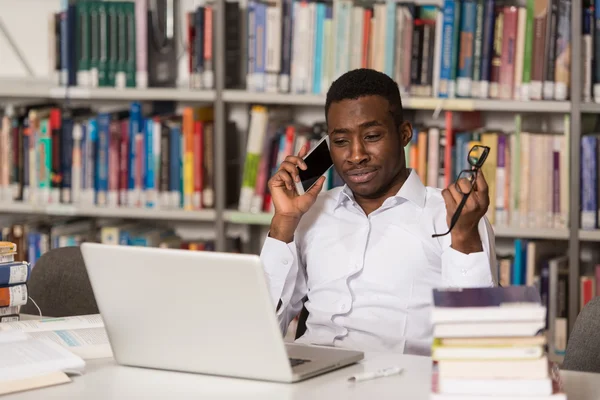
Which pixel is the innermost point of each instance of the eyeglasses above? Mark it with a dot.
(476, 158)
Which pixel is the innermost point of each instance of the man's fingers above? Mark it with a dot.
(283, 176)
(296, 161)
(303, 151)
(290, 169)
(449, 200)
(482, 185)
(316, 188)
(456, 195)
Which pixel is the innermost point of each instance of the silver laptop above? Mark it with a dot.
(196, 311)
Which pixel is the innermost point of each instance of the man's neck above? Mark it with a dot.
(370, 204)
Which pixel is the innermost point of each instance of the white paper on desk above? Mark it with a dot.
(29, 358)
(87, 343)
(52, 324)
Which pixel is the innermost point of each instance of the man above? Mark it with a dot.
(363, 255)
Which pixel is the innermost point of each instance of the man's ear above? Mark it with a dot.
(406, 132)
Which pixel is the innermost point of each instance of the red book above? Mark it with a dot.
(509, 47)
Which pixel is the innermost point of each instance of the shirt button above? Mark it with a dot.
(286, 262)
(464, 271)
(344, 307)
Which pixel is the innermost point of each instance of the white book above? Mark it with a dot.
(520, 52)
(273, 46)
(256, 134)
(495, 363)
(437, 57)
(484, 329)
(433, 157)
(503, 387)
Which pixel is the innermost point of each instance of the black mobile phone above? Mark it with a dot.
(318, 161)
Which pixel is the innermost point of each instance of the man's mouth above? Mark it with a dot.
(361, 175)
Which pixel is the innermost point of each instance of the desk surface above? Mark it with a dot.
(106, 380)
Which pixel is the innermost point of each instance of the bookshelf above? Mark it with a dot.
(225, 99)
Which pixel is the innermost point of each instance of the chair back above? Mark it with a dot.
(60, 286)
(583, 347)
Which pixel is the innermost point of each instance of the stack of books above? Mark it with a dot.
(13, 282)
(489, 343)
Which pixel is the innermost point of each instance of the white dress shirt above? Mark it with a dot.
(368, 279)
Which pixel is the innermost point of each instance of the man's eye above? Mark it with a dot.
(339, 142)
(372, 136)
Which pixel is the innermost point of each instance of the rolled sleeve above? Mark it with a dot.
(475, 269)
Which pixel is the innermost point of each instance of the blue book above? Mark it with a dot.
(449, 12)
(486, 48)
(135, 122)
(589, 181)
(520, 263)
(102, 158)
(12, 273)
(174, 164)
(149, 179)
(467, 34)
(390, 37)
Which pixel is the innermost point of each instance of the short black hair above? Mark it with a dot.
(366, 82)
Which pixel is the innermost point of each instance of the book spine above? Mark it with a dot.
(519, 52)
(114, 145)
(389, 37)
(124, 163)
(102, 159)
(135, 128)
(76, 168)
(130, 45)
(586, 55)
(486, 49)
(13, 296)
(208, 191)
(165, 151)
(496, 62)
(14, 273)
(449, 11)
(149, 164)
(528, 53)
(538, 60)
(509, 45)
(83, 43)
(198, 140)
(562, 75)
(589, 208)
(551, 51)
(596, 44)
(209, 73)
(478, 48)
(175, 166)
(141, 43)
(467, 33)
(286, 51)
(273, 44)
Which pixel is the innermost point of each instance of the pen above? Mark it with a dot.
(365, 376)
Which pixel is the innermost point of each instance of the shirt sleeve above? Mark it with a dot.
(286, 278)
(474, 269)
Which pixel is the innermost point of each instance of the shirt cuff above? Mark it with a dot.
(466, 270)
(277, 258)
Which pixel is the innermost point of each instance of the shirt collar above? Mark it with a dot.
(412, 190)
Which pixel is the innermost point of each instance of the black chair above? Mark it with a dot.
(583, 347)
(301, 327)
(60, 285)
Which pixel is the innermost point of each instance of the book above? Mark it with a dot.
(29, 363)
(513, 303)
(84, 336)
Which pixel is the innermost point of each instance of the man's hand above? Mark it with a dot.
(465, 235)
(289, 205)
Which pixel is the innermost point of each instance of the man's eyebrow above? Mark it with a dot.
(370, 124)
(339, 130)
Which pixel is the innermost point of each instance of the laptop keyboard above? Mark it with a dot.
(294, 362)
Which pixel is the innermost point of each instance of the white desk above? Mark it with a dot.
(106, 380)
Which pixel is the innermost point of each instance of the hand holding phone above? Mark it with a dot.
(295, 186)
